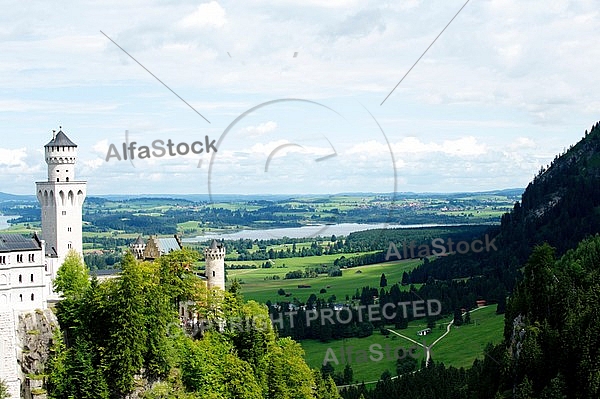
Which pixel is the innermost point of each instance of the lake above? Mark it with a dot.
(4, 221)
(340, 229)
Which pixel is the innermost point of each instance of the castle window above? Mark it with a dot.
(68, 229)
(21, 297)
(46, 267)
(57, 179)
(67, 179)
(2, 260)
(213, 273)
(32, 296)
(64, 213)
(20, 258)
(31, 257)
(69, 245)
(20, 278)
(31, 278)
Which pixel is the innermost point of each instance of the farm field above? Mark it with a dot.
(254, 285)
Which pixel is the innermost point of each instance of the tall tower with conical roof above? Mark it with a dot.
(215, 265)
(61, 198)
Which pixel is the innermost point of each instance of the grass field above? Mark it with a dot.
(364, 371)
(459, 348)
(257, 288)
(467, 342)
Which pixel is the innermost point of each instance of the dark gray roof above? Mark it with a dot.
(17, 242)
(138, 241)
(213, 244)
(60, 140)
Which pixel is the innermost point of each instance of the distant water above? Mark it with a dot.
(340, 229)
(4, 221)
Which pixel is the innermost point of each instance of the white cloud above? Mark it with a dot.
(207, 15)
(13, 157)
(508, 85)
(101, 147)
(261, 129)
(462, 147)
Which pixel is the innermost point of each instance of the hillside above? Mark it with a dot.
(547, 261)
(561, 206)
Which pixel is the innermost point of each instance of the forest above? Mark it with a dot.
(124, 335)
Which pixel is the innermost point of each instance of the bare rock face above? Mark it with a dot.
(35, 332)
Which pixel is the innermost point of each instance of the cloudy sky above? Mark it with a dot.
(292, 92)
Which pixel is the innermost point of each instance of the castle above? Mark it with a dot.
(28, 266)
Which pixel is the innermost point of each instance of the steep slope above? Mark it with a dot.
(561, 206)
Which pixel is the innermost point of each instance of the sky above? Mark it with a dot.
(296, 95)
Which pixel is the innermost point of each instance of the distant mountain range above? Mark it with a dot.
(16, 197)
(509, 192)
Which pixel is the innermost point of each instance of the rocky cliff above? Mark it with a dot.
(34, 338)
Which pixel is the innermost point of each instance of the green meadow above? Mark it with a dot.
(459, 348)
(256, 287)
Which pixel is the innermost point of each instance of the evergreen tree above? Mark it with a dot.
(458, 318)
(348, 374)
(383, 280)
(126, 345)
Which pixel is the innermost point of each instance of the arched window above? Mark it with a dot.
(57, 179)
(20, 278)
(67, 179)
(32, 296)
(213, 273)
(21, 297)
(31, 277)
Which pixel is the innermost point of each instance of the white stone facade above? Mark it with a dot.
(9, 371)
(23, 278)
(29, 265)
(61, 199)
(23, 287)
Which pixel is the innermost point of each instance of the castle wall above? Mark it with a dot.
(8, 353)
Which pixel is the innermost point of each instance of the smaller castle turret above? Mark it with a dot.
(215, 265)
(137, 247)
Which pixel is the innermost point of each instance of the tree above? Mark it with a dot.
(467, 317)
(431, 322)
(405, 279)
(327, 370)
(458, 319)
(348, 374)
(72, 277)
(383, 281)
(127, 343)
(3, 390)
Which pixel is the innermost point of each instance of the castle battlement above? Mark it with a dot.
(214, 253)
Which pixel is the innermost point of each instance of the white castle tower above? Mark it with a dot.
(61, 199)
(215, 265)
